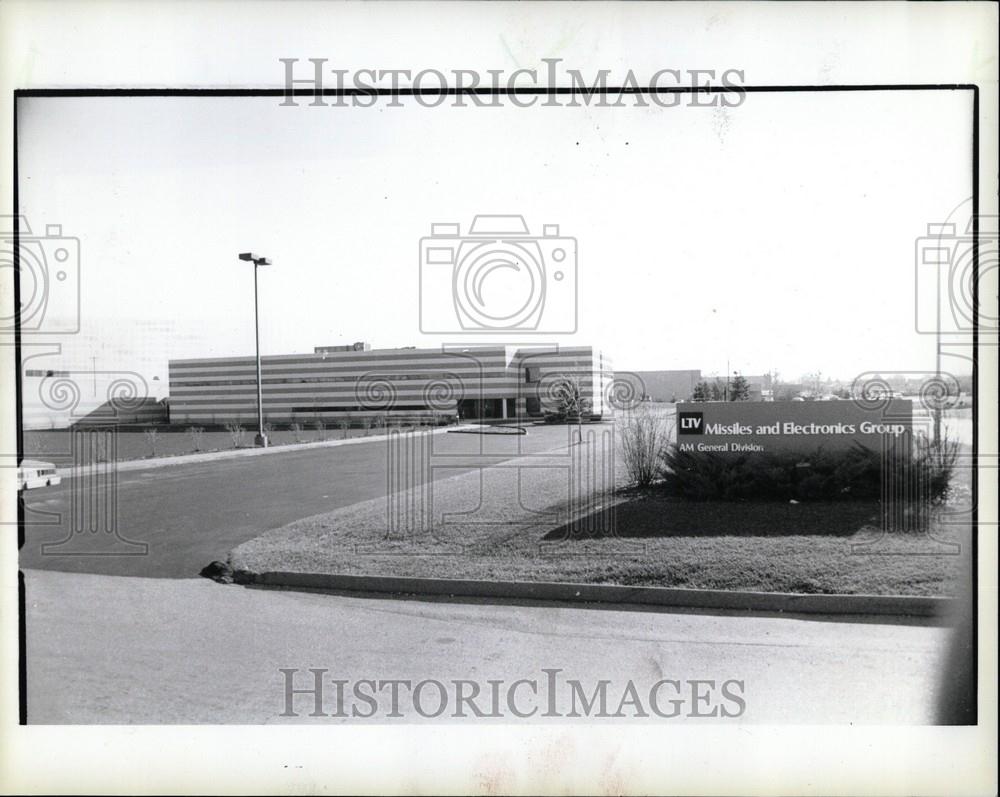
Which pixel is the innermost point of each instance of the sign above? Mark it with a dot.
(745, 427)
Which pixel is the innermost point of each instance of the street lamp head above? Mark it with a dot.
(252, 258)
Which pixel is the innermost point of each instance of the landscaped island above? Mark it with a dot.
(508, 523)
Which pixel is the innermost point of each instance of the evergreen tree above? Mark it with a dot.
(701, 392)
(739, 390)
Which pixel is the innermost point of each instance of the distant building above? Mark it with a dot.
(139, 411)
(756, 385)
(335, 384)
(663, 385)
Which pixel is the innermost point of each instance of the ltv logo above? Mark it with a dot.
(690, 423)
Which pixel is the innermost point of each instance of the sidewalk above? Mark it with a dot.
(236, 453)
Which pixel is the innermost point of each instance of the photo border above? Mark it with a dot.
(550, 91)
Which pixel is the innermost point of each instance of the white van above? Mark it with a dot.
(35, 473)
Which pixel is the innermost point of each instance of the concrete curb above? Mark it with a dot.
(780, 602)
(236, 453)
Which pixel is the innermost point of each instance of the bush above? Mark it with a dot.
(936, 463)
(642, 435)
(197, 436)
(922, 474)
(235, 433)
(320, 428)
(571, 404)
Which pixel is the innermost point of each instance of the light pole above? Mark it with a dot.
(260, 439)
(937, 367)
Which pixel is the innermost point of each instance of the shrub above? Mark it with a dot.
(920, 474)
(235, 433)
(936, 463)
(571, 404)
(197, 436)
(101, 448)
(320, 428)
(642, 435)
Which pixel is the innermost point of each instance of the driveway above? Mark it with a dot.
(169, 522)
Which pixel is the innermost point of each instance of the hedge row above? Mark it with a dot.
(858, 472)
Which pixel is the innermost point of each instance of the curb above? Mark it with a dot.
(236, 453)
(778, 602)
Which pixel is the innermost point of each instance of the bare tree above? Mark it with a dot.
(235, 433)
(320, 428)
(151, 435)
(642, 435)
(197, 435)
(101, 452)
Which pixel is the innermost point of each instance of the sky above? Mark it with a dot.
(777, 235)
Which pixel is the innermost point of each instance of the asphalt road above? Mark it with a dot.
(193, 651)
(169, 522)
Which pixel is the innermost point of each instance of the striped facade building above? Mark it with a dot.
(358, 385)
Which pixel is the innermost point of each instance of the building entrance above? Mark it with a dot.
(486, 409)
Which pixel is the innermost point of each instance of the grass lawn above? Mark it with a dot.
(494, 528)
(828, 547)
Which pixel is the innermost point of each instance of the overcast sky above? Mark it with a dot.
(776, 235)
